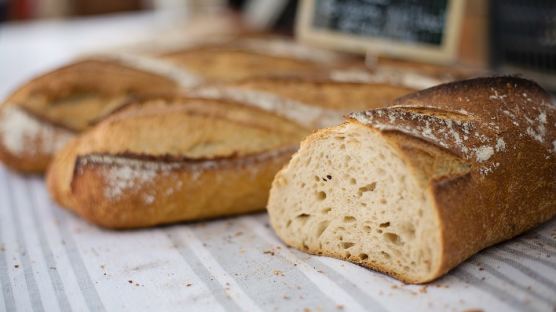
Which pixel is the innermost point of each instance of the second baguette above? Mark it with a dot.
(168, 160)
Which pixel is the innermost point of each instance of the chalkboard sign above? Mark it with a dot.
(425, 30)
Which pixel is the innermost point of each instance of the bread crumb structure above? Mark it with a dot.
(414, 189)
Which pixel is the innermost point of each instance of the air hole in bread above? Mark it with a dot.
(326, 210)
(384, 225)
(393, 238)
(303, 218)
(367, 188)
(347, 245)
(321, 195)
(349, 219)
(363, 256)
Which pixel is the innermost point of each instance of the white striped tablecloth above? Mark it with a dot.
(51, 260)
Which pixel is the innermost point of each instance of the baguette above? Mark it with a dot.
(236, 59)
(312, 100)
(414, 189)
(165, 160)
(41, 116)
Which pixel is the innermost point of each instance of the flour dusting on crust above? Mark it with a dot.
(22, 133)
(408, 79)
(301, 113)
(476, 133)
(123, 174)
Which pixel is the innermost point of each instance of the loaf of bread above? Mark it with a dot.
(244, 57)
(414, 189)
(311, 100)
(41, 116)
(173, 159)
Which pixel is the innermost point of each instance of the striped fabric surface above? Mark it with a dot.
(51, 260)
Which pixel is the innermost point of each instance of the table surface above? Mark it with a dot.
(51, 260)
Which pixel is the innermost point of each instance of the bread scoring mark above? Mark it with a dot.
(446, 129)
(432, 128)
(301, 113)
(436, 129)
(123, 173)
(479, 132)
(22, 133)
(156, 66)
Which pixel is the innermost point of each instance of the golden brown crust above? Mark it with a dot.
(197, 159)
(501, 178)
(177, 190)
(251, 56)
(44, 113)
(324, 92)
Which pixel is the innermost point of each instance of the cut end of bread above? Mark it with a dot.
(349, 194)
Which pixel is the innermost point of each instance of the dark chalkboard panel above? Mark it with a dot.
(415, 29)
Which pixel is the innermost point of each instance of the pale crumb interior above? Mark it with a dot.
(348, 194)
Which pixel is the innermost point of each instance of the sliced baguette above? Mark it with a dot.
(414, 189)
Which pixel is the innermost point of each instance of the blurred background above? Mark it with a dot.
(503, 36)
